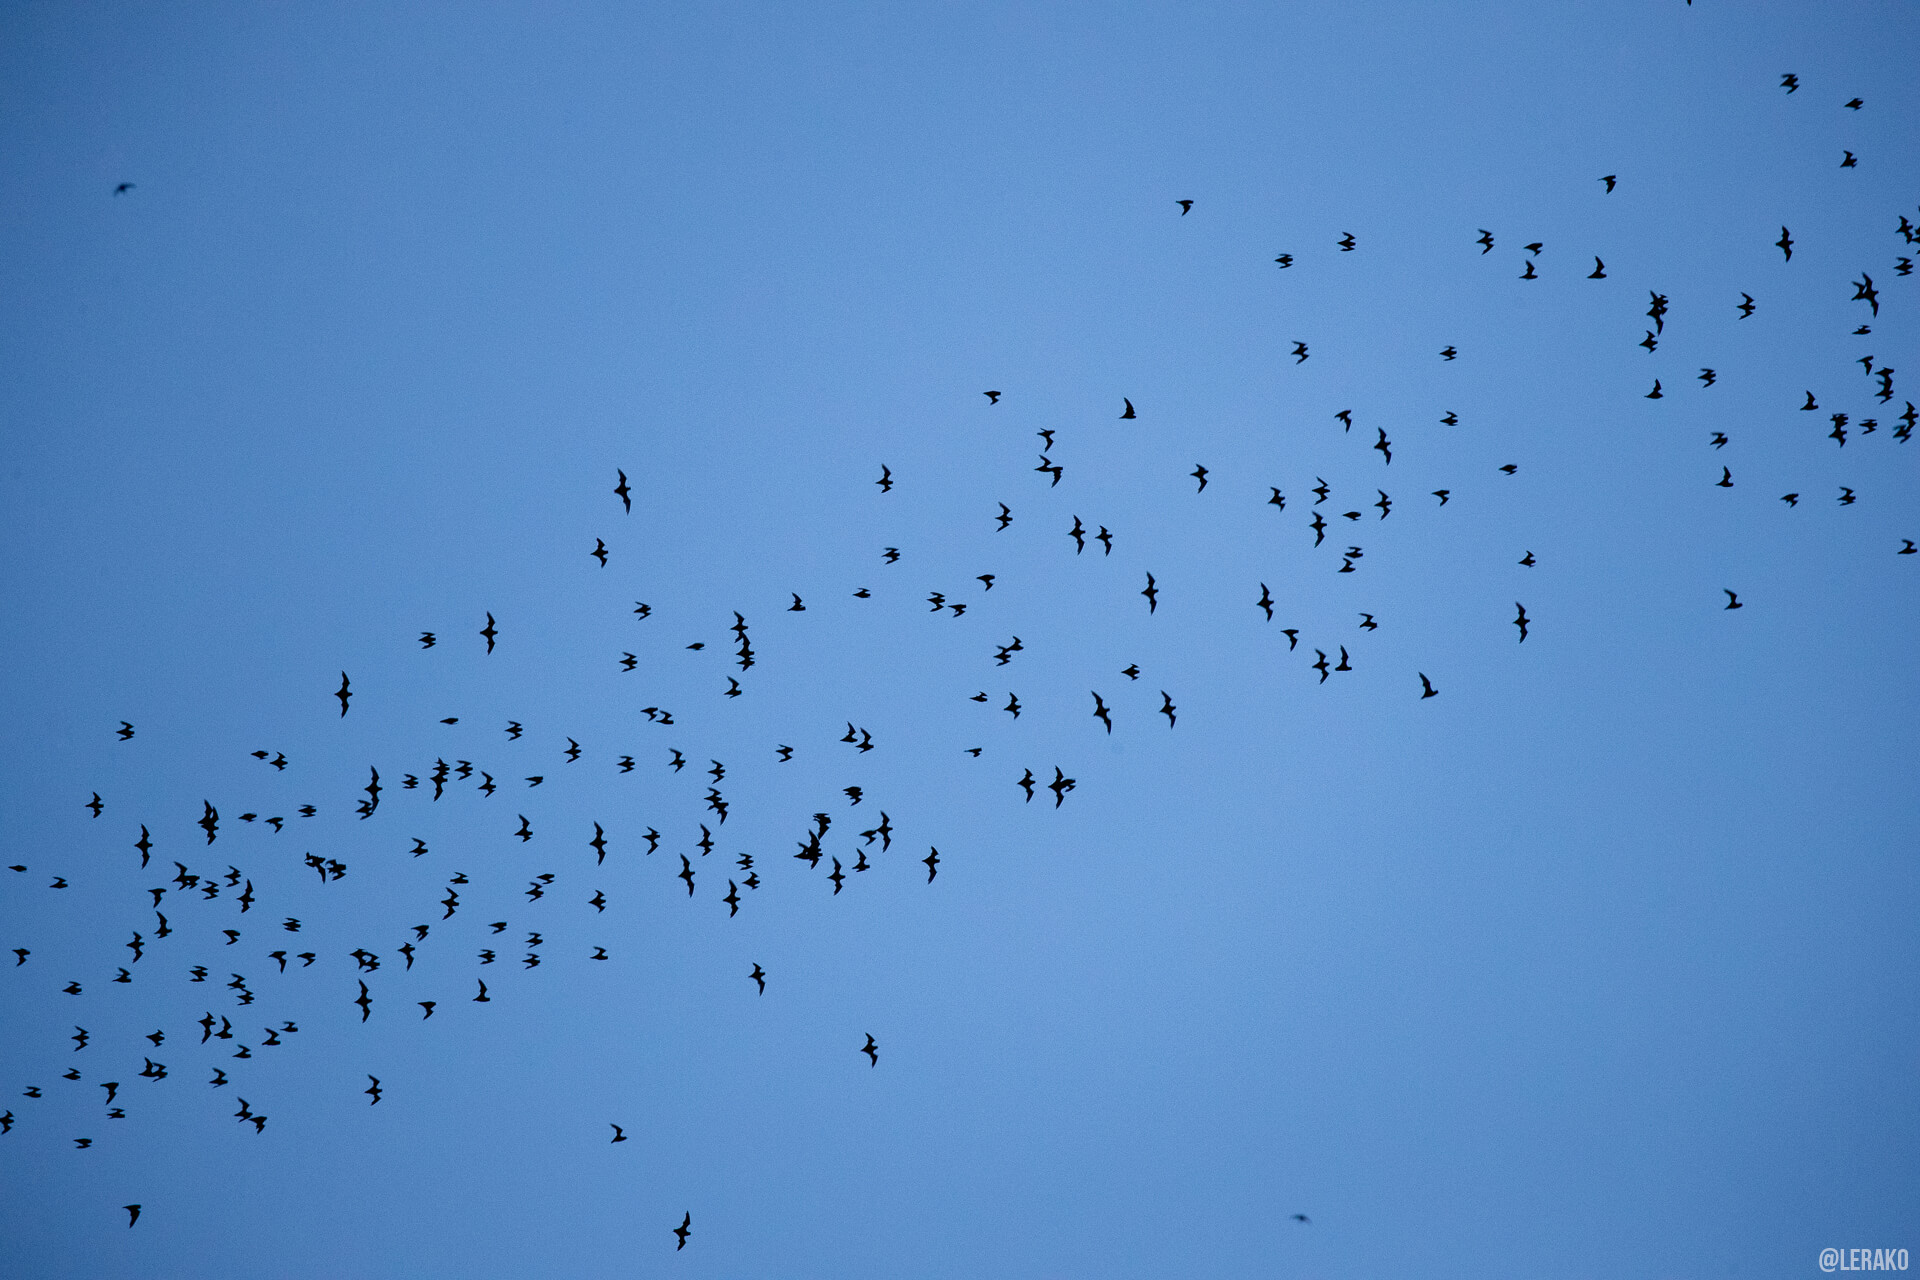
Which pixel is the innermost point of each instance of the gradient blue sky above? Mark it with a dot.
(1597, 964)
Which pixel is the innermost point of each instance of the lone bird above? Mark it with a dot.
(1521, 620)
(1733, 601)
(872, 1050)
(683, 1231)
(1186, 207)
(1610, 179)
(1426, 687)
(1128, 411)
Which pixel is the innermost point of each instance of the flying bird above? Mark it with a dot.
(1733, 601)
(625, 494)
(1521, 621)
(683, 1231)
(993, 397)
(345, 692)
(599, 551)
(1785, 243)
(1610, 179)
(1426, 687)
(1186, 207)
(1151, 593)
(1128, 412)
(1599, 271)
(872, 1050)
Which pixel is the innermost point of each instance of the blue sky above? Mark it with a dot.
(1597, 963)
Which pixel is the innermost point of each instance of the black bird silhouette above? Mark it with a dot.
(1293, 637)
(686, 873)
(1344, 664)
(1277, 500)
(1907, 550)
(1726, 479)
(1733, 601)
(365, 1002)
(125, 731)
(1719, 440)
(1527, 560)
(1285, 260)
(683, 1232)
(1131, 671)
(993, 397)
(1384, 446)
(133, 1210)
(1855, 105)
(1521, 620)
(886, 479)
(759, 976)
(346, 691)
(1610, 179)
(1319, 527)
(1485, 242)
(483, 997)
(1789, 82)
(1846, 496)
(1426, 687)
(599, 551)
(625, 494)
(932, 861)
(1656, 393)
(1746, 305)
(872, 1050)
(373, 1091)
(1299, 353)
(1448, 353)
(1100, 711)
(1078, 534)
(1013, 705)
(1649, 342)
(1060, 785)
(1186, 207)
(1529, 273)
(1167, 708)
(121, 190)
(97, 805)
(1785, 243)
(1848, 161)
(1104, 538)
(1151, 593)
(1367, 623)
(1265, 601)
(1025, 783)
(1442, 494)
(1199, 473)
(1535, 248)
(1320, 664)
(1128, 411)
(1346, 242)
(1385, 504)
(1599, 271)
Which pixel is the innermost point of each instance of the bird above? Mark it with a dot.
(1301, 1217)
(1785, 243)
(932, 861)
(133, 1210)
(1521, 621)
(1707, 377)
(683, 1231)
(1293, 637)
(373, 1091)
(1719, 440)
(1854, 105)
(1906, 550)
(1198, 473)
(1186, 207)
(1846, 496)
(1285, 260)
(125, 731)
(1131, 671)
(1167, 708)
(1509, 468)
(759, 976)
(993, 397)
(1610, 179)
(1299, 353)
(1100, 711)
(1442, 494)
(1005, 517)
(1746, 305)
(1733, 601)
(619, 1134)
(97, 805)
(886, 479)
(1320, 664)
(1791, 499)
(1529, 273)
(1367, 623)
(345, 692)
(1385, 447)
(624, 493)
(1599, 271)
(1485, 242)
(1345, 665)
(1078, 534)
(121, 190)
(599, 551)
(1128, 411)
(1535, 248)
(1726, 479)
(1265, 601)
(1426, 687)
(872, 1050)
(1789, 82)
(1656, 393)
(1151, 593)
(1848, 160)
(1346, 242)
(1448, 353)
(1527, 560)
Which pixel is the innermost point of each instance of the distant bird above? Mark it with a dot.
(1656, 393)
(1848, 161)
(1855, 105)
(121, 190)
(1320, 664)
(886, 479)
(1301, 1217)
(1726, 479)
(683, 1232)
(1785, 243)
(1367, 623)
(1789, 82)
(1151, 593)
(1610, 179)
(1599, 271)
(1299, 352)
(125, 731)
(96, 805)
(1100, 712)
(426, 639)
(1131, 672)
(759, 976)
(1791, 499)
(993, 397)
(599, 551)
(1846, 496)
(1906, 550)
(1285, 260)
(1509, 468)
(1128, 412)
(625, 494)
(345, 692)
(1198, 473)
(1529, 273)
(1746, 305)
(1527, 560)
(932, 861)
(1485, 242)
(1521, 621)
(872, 1050)
(1811, 405)
(1293, 637)
(1265, 601)
(133, 1210)
(1442, 494)
(1448, 353)
(374, 1091)
(1426, 687)
(1707, 377)
(1346, 242)
(1733, 601)
(1320, 487)
(1167, 708)
(1535, 248)
(892, 554)
(1005, 517)
(1719, 440)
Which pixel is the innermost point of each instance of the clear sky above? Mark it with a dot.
(1597, 963)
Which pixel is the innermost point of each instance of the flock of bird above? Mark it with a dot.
(213, 903)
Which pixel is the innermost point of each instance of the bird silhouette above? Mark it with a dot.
(993, 397)
(1128, 411)
(683, 1231)
(1733, 601)
(1152, 594)
(1426, 687)
(1521, 621)
(1610, 179)
(1785, 243)
(1186, 207)
(872, 1050)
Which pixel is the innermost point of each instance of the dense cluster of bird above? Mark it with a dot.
(212, 902)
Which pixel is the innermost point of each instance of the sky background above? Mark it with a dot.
(1599, 963)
